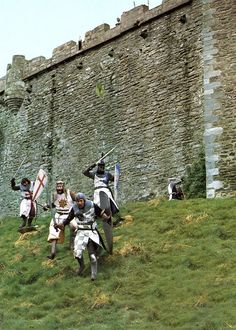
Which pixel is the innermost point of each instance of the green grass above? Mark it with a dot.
(173, 267)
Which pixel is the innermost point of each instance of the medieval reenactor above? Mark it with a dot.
(62, 201)
(103, 196)
(174, 189)
(27, 205)
(87, 236)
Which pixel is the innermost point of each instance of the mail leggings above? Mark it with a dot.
(92, 247)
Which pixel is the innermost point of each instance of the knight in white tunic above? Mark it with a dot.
(174, 189)
(101, 179)
(103, 197)
(27, 205)
(62, 201)
(87, 236)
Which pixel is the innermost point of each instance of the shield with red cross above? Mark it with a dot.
(40, 183)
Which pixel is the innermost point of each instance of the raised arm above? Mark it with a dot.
(13, 185)
(88, 172)
(70, 217)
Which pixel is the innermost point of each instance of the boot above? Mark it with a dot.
(81, 268)
(52, 256)
(24, 219)
(94, 265)
(30, 222)
(118, 221)
(53, 250)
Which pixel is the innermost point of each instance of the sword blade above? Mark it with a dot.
(108, 153)
(19, 167)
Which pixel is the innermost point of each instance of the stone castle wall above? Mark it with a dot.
(160, 99)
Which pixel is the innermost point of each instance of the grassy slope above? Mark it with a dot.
(173, 267)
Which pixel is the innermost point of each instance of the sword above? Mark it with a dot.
(37, 203)
(103, 157)
(19, 167)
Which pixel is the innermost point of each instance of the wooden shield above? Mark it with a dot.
(40, 183)
(107, 226)
(116, 180)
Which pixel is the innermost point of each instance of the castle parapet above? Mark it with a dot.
(133, 17)
(168, 5)
(65, 50)
(95, 35)
(36, 64)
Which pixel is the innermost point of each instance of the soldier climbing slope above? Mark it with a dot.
(62, 201)
(103, 197)
(174, 189)
(27, 205)
(87, 236)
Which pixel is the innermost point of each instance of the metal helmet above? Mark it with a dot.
(101, 163)
(80, 195)
(101, 166)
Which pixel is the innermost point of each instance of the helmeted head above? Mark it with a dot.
(60, 187)
(25, 182)
(80, 200)
(174, 180)
(171, 180)
(101, 167)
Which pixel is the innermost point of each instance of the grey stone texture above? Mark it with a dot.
(167, 77)
(219, 49)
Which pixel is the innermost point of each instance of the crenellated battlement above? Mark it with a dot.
(103, 33)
